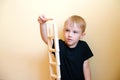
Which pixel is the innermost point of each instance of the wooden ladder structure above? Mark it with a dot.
(54, 60)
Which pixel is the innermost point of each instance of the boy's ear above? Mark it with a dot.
(83, 34)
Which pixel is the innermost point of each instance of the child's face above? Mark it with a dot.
(72, 34)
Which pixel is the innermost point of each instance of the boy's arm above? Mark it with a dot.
(43, 32)
(86, 70)
(43, 28)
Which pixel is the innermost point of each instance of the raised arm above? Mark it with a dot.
(43, 28)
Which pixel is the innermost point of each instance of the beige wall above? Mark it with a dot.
(23, 55)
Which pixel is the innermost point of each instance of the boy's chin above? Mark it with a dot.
(71, 45)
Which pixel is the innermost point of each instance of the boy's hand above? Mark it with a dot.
(42, 19)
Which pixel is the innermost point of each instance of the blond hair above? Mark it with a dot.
(78, 20)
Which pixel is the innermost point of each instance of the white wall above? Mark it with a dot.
(23, 55)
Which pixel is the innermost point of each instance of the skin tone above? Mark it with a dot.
(43, 30)
(72, 34)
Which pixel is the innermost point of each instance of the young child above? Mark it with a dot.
(74, 52)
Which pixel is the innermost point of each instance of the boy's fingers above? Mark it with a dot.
(49, 19)
(42, 19)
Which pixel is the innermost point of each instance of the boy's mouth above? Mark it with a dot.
(69, 39)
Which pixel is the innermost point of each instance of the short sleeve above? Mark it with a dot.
(88, 53)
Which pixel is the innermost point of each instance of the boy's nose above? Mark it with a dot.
(70, 33)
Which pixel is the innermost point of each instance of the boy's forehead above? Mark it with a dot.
(72, 24)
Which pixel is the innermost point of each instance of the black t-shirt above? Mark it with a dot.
(72, 59)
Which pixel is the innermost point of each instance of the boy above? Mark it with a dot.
(74, 52)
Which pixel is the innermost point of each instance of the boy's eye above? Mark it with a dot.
(75, 32)
(67, 30)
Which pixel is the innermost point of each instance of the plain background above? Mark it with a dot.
(23, 54)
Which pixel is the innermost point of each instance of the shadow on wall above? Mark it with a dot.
(40, 68)
(21, 67)
(118, 74)
(44, 68)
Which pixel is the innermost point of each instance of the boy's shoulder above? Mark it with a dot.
(61, 40)
(82, 41)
